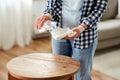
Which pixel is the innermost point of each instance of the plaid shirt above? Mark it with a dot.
(92, 11)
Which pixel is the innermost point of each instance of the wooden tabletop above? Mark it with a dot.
(42, 65)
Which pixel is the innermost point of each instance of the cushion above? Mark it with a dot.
(108, 43)
(111, 11)
(109, 29)
(118, 8)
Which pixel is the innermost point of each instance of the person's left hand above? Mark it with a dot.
(77, 34)
(77, 31)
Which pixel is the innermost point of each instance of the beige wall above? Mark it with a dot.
(38, 7)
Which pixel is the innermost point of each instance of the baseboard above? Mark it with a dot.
(40, 35)
(102, 44)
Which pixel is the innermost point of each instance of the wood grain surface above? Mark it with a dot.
(43, 66)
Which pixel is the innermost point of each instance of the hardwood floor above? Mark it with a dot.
(42, 45)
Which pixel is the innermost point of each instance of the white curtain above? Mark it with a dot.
(15, 23)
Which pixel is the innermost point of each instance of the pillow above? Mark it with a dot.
(118, 8)
(111, 11)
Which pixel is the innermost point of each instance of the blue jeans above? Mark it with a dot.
(84, 56)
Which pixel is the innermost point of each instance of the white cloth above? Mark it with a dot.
(60, 33)
(15, 23)
(71, 12)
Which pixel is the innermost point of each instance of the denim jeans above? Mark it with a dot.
(84, 56)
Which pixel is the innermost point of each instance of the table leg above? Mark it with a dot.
(10, 77)
(71, 78)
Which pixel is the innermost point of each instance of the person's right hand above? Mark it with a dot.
(41, 20)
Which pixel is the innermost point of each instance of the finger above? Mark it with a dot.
(36, 25)
(39, 20)
(77, 32)
(76, 35)
(41, 23)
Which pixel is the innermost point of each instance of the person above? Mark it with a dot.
(82, 17)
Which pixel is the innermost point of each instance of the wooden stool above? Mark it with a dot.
(42, 66)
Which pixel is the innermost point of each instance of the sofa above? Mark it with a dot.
(109, 27)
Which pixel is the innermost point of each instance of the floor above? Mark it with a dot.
(108, 61)
(40, 46)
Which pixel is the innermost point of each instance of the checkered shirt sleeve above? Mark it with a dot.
(49, 7)
(96, 13)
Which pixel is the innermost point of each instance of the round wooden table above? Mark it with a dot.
(42, 66)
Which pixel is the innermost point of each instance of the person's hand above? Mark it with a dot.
(41, 20)
(77, 31)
